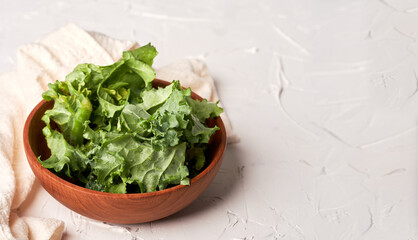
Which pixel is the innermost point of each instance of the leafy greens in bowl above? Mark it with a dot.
(113, 132)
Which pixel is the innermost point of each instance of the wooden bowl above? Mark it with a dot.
(113, 207)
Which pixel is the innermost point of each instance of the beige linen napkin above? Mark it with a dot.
(40, 63)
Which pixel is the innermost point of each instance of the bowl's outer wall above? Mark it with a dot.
(117, 208)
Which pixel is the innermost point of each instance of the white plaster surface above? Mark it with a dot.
(323, 94)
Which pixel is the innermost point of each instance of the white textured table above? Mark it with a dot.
(323, 94)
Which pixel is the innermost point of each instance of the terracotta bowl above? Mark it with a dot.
(113, 207)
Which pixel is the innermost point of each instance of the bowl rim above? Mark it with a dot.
(33, 160)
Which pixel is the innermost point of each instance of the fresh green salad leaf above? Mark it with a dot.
(116, 133)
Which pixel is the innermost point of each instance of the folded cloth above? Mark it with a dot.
(38, 64)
